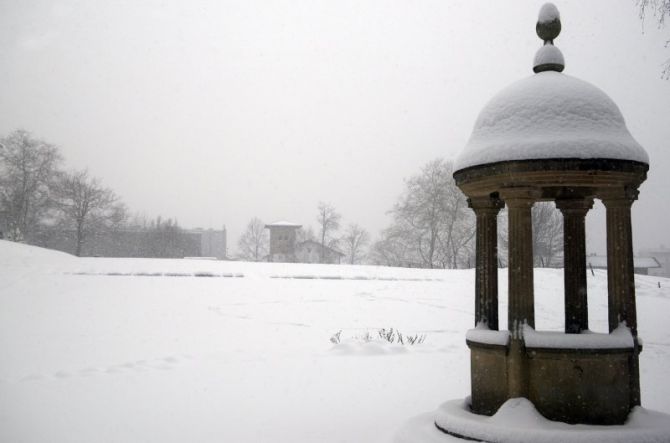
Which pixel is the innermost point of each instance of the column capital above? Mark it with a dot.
(575, 205)
(520, 197)
(619, 197)
(486, 204)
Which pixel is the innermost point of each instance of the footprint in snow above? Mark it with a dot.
(163, 367)
(87, 372)
(32, 377)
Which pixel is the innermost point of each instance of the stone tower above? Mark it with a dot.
(282, 241)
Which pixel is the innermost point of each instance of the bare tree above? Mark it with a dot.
(254, 242)
(660, 9)
(303, 234)
(28, 168)
(394, 248)
(547, 224)
(86, 206)
(166, 239)
(547, 233)
(431, 220)
(329, 222)
(459, 226)
(355, 239)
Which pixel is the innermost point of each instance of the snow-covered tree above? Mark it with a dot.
(328, 220)
(547, 233)
(254, 242)
(393, 248)
(660, 10)
(85, 206)
(547, 226)
(303, 234)
(166, 239)
(432, 224)
(28, 169)
(354, 241)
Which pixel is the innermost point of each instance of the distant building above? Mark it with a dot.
(285, 247)
(212, 242)
(139, 243)
(641, 265)
(283, 241)
(662, 256)
(309, 251)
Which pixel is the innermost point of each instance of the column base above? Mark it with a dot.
(518, 421)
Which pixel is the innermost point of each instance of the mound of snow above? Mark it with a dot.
(482, 334)
(372, 347)
(19, 254)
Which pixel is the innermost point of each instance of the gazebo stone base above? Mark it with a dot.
(518, 421)
(591, 386)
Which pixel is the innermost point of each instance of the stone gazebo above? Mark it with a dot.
(552, 137)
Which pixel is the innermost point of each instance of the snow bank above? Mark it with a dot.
(621, 337)
(14, 253)
(18, 255)
(482, 334)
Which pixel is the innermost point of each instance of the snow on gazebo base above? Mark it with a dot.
(518, 421)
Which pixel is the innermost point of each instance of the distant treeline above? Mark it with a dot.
(42, 203)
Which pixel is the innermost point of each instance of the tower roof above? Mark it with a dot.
(284, 224)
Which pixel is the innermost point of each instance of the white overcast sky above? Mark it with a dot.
(215, 111)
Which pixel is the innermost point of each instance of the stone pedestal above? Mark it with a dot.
(489, 375)
(567, 384)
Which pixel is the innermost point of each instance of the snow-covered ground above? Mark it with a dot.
(139, 350)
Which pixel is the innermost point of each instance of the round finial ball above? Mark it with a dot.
(548, 22)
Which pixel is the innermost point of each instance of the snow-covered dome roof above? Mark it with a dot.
(549, 115)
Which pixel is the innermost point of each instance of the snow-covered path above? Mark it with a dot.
(131, 350)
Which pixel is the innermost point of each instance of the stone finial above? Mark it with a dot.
(548, 22)
(548, 57)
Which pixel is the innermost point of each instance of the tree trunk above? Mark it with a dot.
(80, 239)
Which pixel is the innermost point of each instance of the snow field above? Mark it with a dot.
(87, 356)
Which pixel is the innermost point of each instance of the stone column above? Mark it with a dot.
(574, 257)
(520, 261)
(620, 277)
(520, 284)
(486, 275)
